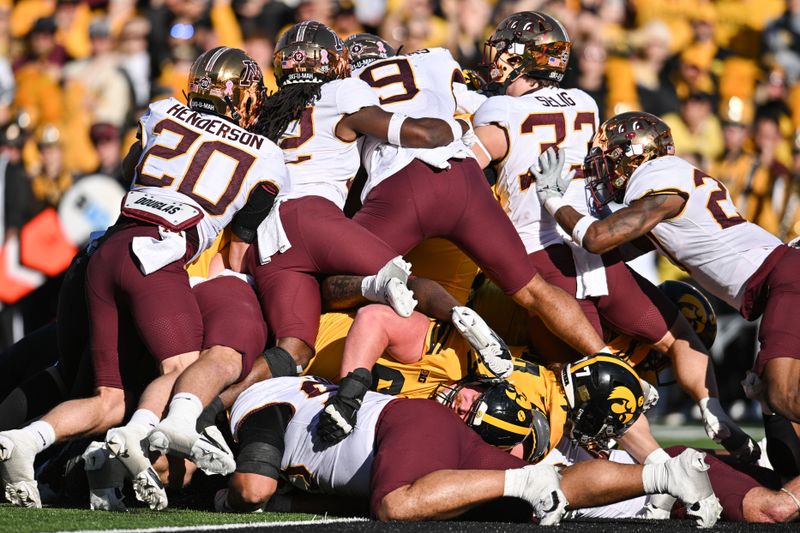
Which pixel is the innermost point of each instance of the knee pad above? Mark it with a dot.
(281, 363)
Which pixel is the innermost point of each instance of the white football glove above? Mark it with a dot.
(722, 430)
(650, 396)
(548, 171)
(490, 348)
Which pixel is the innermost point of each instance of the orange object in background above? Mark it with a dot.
(43, 251)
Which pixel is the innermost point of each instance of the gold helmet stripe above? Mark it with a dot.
(214, 57)
(502, 424)
(606, 358)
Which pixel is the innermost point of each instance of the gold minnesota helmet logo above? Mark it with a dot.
(624, 403)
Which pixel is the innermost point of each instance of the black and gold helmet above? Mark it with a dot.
(528, 43)
(695, 307)
(364, 48)
(501, 415)
(310, 52)
(620, 146)
(227, 82)
(605, 398)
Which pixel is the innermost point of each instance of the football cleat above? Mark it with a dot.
(658, 507)
(211, 453)
(148, 489)
(543, 492)
(106, 476)
(688, 481)
(16, 468)
(490, 348)
(389, 286)
(172, 438)
(129, 445)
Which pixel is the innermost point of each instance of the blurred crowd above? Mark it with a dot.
(75, 75)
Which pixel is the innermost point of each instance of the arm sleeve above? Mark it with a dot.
(247, 219)
(261, 440)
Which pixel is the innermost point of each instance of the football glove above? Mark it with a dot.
(548, 170)
(490, 348)
(338, 419)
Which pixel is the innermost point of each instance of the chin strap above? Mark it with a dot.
(234, 113)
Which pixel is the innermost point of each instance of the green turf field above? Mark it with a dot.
(16, 519)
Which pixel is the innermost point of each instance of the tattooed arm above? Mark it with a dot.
(625, 225)
(342, 292)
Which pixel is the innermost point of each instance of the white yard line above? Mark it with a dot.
(225, 527)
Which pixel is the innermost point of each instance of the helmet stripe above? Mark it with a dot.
(214, 57)
(502, 424)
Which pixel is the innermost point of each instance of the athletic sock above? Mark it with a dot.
(184, 409)
(44, 434)
(144, 418)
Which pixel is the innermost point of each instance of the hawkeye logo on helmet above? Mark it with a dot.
(624, 403)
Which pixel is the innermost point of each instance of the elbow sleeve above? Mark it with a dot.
(247, 219)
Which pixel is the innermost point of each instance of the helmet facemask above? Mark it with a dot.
(528, 43)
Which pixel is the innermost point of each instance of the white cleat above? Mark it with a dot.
(172, 438)
(658, 507)
(211, 453)
(689, 482)
(16, 468)
(148, 489)
(543, 492)
(490, 348)
(400, 298)
(106, 475)
(129, 445)
(389, 286)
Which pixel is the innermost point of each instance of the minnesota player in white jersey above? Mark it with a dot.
(414, 460)
(690, 218)
(527, 56)
(316, 117)
(192, 169)
(413, 195)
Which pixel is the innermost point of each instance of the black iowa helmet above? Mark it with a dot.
(501, 415)
(310, 52)
(605, 398)
(695, 307)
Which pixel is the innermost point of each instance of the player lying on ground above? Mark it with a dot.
(446, 469)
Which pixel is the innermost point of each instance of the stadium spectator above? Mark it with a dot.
(696, 129)
(781, 39)
(107, 143)
(38, 74)
(51, 179)
(652, 51)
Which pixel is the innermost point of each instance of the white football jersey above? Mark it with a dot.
(343, 468)
(205, 161)
(426, 83)
(708, 239)
(321, 163)
(534, 122)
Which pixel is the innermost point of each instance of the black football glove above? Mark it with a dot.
(338, 419)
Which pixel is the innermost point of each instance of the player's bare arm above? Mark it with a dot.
(492, 144)
(413, 132)
(626, 225)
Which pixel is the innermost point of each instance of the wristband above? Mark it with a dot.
(579, 231)
(455, 127)
(483, 148)
(395, 125)
(554, 204)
